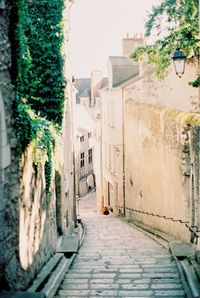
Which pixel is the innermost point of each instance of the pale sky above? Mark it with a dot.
(97, 29)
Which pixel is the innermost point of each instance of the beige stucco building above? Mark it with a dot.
(120, 70)
(157, 163)
(150, 152)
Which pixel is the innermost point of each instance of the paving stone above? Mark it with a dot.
(116, 260)
(79, 275)
(160, 275)
(136, 293)
(75, 280)
(103, 293)
(130, 275)
(103, 275)
(166, 286)
(135, 286)
(72, 293)
(76, 286)
(101, 280)
(170, 293)
(101, 286)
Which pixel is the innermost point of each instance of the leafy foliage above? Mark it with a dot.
(172, 24)
(39, 39)
(37, 70)
(44, 137)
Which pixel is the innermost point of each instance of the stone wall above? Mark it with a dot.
(30, 222)
(193, 154)
(37, 230)
(9, 174)
(161, 161)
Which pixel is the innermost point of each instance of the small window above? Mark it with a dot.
(82, 164)
(90, 155)
(89, 135)
(82, 139)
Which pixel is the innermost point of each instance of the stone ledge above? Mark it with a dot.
(46, 271)
(69, 244)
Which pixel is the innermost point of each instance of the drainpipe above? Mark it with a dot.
(73, 157)
(123, 152)
(101, 159)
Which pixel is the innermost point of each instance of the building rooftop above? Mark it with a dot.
(83, 85)
(122, 69)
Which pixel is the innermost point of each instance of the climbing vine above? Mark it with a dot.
(37, 75)
(171, 24)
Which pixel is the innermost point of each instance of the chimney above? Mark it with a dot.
(96, 79)
(130, 44)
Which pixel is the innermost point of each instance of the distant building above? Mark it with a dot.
(87, 132)
(120, 71)
(84, 150)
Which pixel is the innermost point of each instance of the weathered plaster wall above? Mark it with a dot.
(171, 92)
(157, 166)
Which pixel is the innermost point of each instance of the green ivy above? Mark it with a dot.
(39, 38)
(171, 24)
(43, 136)
(37, 75)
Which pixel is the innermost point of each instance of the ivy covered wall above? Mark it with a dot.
(38, 62)
(33, 30)
(37, 74)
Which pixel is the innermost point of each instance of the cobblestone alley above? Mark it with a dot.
(117, 260)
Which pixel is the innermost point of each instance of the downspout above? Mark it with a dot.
(73, 157)
(123, 156)
(101, 153)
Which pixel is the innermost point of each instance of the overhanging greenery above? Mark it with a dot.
(38, 78)
(172, 24)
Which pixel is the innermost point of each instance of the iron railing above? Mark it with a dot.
(193, 229)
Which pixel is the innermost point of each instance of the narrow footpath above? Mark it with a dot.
(117, 260)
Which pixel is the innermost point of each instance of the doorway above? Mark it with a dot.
(110, 195)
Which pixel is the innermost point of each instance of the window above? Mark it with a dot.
(82, 160)
(89, 135)
(90, 155)
(82, 139)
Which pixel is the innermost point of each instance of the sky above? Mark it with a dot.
(97, 28)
